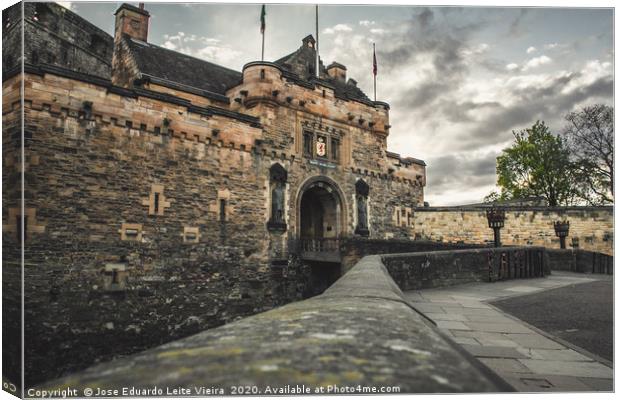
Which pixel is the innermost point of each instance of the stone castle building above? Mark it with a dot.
(165, 194)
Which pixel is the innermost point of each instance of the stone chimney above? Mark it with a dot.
(337, 71)
(133, 21)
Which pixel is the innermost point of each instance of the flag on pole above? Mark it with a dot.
(374, 70)
(374, 61)
(262, 20)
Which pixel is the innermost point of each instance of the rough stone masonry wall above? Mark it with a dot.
(593, 226)
(91, 172)
(360, 332)
(353, 249)
(11, 254)
(414, 271)
(56, 36)
(85, 179)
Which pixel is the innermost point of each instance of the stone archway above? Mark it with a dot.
(321, 223)
(320, 210)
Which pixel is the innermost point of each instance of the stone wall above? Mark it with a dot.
(55, 35)
(580, 261)
(414, 271)
(360, 333)
(11, 252)
(525, 225)
(354, 249)
(111, 273)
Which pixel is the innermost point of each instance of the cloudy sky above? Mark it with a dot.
(458, 79)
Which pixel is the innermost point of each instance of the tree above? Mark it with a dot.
(589, 135)
(537, 164)
(493, 197)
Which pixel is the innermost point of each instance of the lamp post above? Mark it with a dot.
(496, 218)
(561, 231)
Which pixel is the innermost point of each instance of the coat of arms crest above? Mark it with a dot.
(320, 146)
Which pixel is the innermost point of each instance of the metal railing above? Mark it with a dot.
(319, 245)
(516, 263)
(317, 249)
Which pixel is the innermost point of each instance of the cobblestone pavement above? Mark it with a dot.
(525, 357)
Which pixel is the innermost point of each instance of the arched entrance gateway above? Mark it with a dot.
(321, 223)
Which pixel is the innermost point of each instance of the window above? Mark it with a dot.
(156, 201)
(98, 44)
(308, 144)
(44, 15)
(334, 149)
(222, 210)
(262, 74)
(135, 24)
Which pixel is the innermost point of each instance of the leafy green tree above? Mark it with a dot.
(493, 197)
(537, 164)
(589, 135)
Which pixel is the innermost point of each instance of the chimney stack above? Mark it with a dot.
(132, 21)
(337, 71)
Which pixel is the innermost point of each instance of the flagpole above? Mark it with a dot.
(317, 42)
(374, 70)
(262, 31)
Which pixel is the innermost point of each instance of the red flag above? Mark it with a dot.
(374, 61)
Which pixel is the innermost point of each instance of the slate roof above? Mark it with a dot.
(304, 57)
(180, 68)
(348, 91)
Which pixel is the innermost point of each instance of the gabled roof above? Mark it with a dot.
(175, 67)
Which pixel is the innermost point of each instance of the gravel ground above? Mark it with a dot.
(581, 314)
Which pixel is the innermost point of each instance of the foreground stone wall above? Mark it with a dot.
(354, 249)
(359, 332)
(580, 261)
(424, 270)
(591, 226)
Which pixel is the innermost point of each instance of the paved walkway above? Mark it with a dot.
(525, 357)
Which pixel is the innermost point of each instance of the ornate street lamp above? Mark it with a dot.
(496, 218)
(561, 231)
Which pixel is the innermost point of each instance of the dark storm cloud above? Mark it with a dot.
(473, 172)
(463, 111)
(447, 164)
(544, 103)
(424, 94)
(424, 34)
